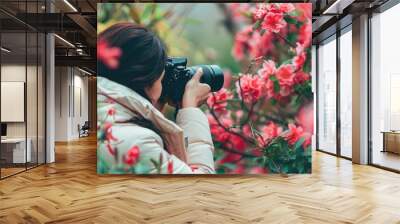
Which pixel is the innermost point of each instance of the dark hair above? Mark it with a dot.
(143, 56)
(140, 65)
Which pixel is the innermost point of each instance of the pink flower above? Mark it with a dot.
(217, 131)
(286, 7)
(305, 33)
(247, 131)
(267, 70)
(227, 78)
(269, 132)
(108, 55)
(294, 134)
(260, 11)
(301, 77)
(258, 170)
(273, 21)
(300, 58)
(218, 101)
(249, 41)
(285, 75)
(270, 88)
(305, 117)
(250, 88)
(239, 114)
(304, 11)
(307, 139)
(131, 156)
(236, 142)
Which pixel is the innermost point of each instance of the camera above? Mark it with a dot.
(177, 75)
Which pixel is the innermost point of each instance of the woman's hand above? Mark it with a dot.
(195, 92)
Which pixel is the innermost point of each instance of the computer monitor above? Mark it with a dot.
(3, 129)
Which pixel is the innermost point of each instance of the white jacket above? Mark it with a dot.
(189, 142)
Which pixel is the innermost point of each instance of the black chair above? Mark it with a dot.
(84, 130)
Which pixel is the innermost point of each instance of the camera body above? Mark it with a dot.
(177, 75)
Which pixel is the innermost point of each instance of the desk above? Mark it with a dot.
(391, 141)
(16, 151)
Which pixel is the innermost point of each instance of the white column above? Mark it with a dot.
(50, 92)
(360, 90)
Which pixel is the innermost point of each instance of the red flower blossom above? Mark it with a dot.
(305, 33)
(170, 167)
(285, 75)
(131, 157)
(219, 133)
(252, 42)
(301, 77)
(269, 132)
(111, 111)
(218, 100)
(273, 21)
(108, 55)
(260, 11)
(300, 58)
(267, 69)
(250, 88)
(294, 134)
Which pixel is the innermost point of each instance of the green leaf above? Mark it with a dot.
(257, 25)
(290, 20)
(147, 11)
(299, 144)
(276, 83)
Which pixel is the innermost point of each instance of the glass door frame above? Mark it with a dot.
(339, 32)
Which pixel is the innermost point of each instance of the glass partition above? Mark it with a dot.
(22, 88)
(327, 96)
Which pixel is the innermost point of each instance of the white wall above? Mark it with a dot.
(70, 84)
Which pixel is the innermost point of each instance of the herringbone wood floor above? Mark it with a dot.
(70, 191)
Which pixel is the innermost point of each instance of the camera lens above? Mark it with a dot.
(212, 75)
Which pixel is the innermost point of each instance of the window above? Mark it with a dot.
(327, 96)
(346, 92)
(385, 89)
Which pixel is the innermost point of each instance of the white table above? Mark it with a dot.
(18, 144)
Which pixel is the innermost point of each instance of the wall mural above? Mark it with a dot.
(204, 88)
